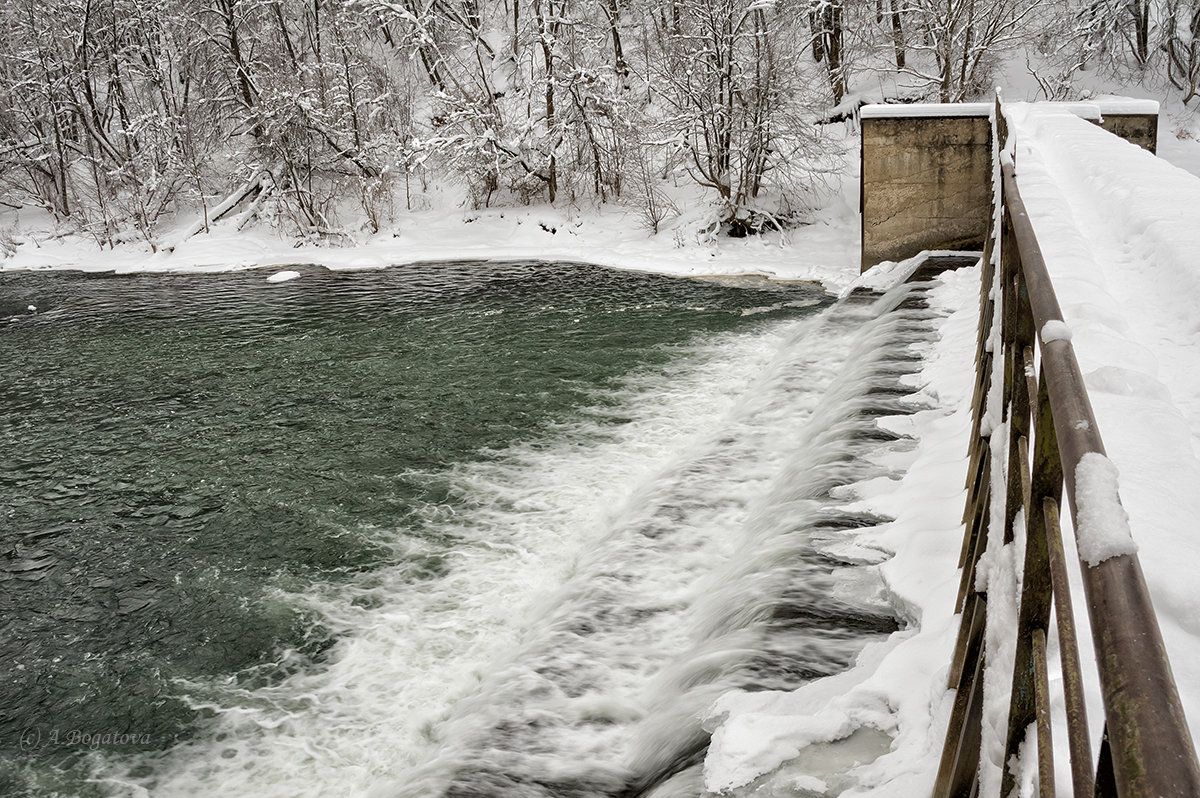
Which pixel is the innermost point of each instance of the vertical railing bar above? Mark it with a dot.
(1078, 739)
(970, 630)
(1045, 747)
(1041, 478)
(1031, 382)
(982, 373)
(1009, 267)
(1023, 472)
(975, 461)
(977, 537)
(983, 381)
(957, 771)
(977, 489)
(1032, 616)
(1048, 481)
(974, 484)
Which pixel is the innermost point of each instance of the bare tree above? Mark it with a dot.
(961, 41)
(1181, 42)
(736, 81)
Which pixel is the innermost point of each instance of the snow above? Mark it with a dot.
(1125, 106)
(916, 110)
(1102, 525)
(825, 249)
(1055, 331)
(1089, 111)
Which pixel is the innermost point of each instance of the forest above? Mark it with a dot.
(322, 116)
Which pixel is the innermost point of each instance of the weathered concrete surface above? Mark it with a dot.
(1141, 129)
(926, 184)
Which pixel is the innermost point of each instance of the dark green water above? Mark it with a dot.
(176, 449)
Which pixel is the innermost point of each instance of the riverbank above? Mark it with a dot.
(825, 250)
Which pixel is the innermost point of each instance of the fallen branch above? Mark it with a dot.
(222, 209)
(249, 214)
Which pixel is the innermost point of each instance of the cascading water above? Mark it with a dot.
(721, 571)
(576, 603)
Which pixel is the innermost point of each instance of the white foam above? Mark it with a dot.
(412, 647)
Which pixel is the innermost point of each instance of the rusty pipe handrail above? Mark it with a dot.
(1146, 748)
(1152, 749)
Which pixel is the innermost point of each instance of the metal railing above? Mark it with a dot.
(1146, 749)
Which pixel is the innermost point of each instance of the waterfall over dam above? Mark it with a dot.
(734, 568)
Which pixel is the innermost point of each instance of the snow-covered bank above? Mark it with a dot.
(824, 251)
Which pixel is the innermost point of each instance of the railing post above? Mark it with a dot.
(957, 771)
(1037, 582)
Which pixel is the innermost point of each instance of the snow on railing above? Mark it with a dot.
(1034, 431)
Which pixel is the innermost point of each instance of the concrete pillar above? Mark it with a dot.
(926, 179)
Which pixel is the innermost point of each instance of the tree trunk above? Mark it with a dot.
(547, 28)
(818, 36)
(516, 29)
(613, 12)
(898, 34)
(832, 30)
(242, 83)
(1139, 10)
(283, 35)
